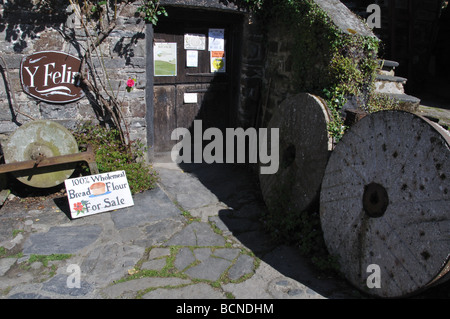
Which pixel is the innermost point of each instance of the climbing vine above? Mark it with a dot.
(327, 62)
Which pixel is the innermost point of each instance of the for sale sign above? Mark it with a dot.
(99, 193)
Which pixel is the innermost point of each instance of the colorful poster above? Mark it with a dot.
(194, 41)
(99, 193)
(165, 59)
(216, 40)
(218, 61)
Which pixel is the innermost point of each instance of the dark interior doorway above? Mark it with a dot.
(203, 82)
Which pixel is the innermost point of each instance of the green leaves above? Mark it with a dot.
(151, 9)
(112, 155)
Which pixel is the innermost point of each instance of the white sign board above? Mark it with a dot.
(194, 41)
(190, 98)
(191, 58)
(99, 193)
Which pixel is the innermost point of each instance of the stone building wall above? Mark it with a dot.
(266, 77)
(24, 32)
(280, 74)
(124, 55)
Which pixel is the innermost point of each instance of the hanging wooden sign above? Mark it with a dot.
(51, 76)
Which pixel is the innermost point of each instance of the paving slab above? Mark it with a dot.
(150, 206)
(196, 234)
(130, 288)
(5, 264)
(243, 266)
(58, 285)
(62, 240)
(184, 258)
(198, 291)
(210, 268)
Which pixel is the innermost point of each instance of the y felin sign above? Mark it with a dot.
(99, 193)
(51, 76)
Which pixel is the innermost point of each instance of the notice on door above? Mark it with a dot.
(216, 39)
(191, 58)
(218, 61)
(99, 193)
(194, 41)
(165, 59)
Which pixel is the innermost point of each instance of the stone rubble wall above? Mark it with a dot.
(23, 33)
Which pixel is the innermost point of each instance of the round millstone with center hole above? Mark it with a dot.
(304, 147)
(385, 201)
(41, 139)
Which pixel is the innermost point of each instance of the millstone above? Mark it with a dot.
(385, 202)
(304, 146)
(41, 138)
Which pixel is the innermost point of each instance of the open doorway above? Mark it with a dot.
(192, 77)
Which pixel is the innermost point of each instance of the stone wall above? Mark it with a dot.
(267, 74)
(280, 70)
(123, 55)
(252, 73)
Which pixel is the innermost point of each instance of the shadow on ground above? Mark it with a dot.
(238, 187)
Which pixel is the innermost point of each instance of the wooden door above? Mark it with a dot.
(191, 90)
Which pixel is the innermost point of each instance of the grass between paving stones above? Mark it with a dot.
(5, 254)
(44, 259)
(170, 271)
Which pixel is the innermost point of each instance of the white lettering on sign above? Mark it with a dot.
(99, 193)
(51, 76)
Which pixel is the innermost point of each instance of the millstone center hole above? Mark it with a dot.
(375, 200)
(288, 156)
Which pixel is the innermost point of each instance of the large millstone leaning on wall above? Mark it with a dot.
(304, 146)
(385, 201)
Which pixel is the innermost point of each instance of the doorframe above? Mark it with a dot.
(149, 94)
(236, 39)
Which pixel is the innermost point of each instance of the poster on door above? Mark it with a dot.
(216, 39)
(165, 59)
(193, 41)
(218, 61)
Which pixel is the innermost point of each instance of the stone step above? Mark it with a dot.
(391, 78)
(387, 65)
(407, 102)
(390, 84)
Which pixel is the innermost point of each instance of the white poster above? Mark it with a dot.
(194, 41)
(216, 39)
(191, 58)
(99, 193)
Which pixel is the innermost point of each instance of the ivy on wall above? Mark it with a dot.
(327, 62)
